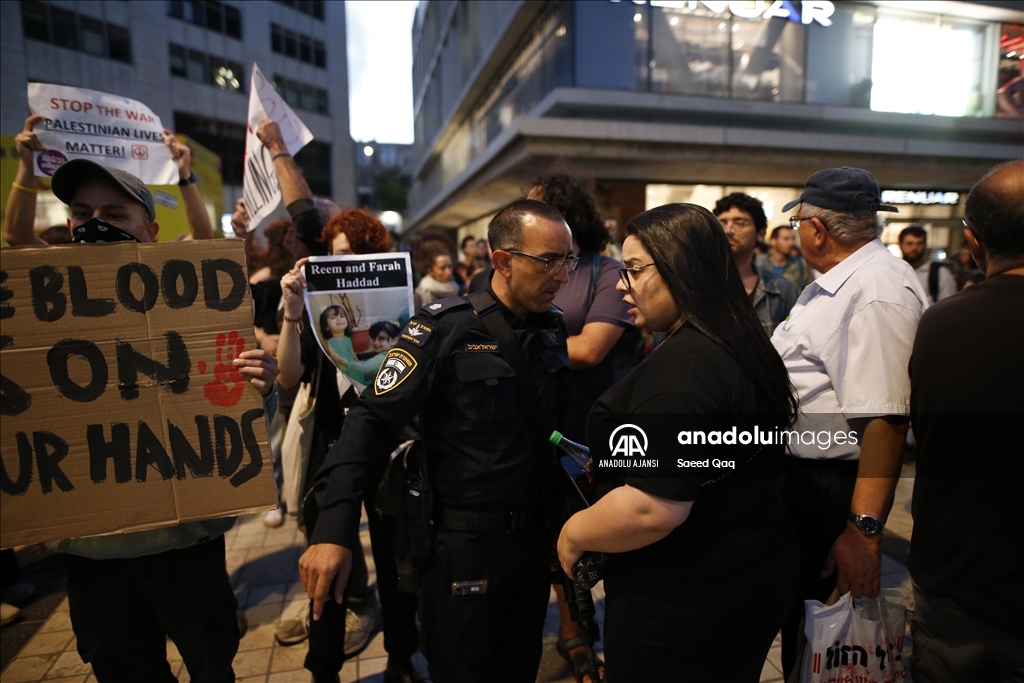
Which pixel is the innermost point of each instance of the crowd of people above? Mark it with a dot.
(541, 327)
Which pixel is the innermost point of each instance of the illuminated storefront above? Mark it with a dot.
(651, 98)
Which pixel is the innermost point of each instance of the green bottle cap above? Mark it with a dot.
(555, 437)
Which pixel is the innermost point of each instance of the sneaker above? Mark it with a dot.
(360, 628)
(272, 519)
(294, 630)
(8, 613)
(19, 592)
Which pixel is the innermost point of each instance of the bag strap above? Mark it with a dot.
(933, 280)
(595, 273)
(315, 380)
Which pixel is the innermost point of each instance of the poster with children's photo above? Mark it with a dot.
(356, 307)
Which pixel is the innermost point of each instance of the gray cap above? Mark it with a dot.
(70, 175)
(842, 189)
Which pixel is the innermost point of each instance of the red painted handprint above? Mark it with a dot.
(227, 385)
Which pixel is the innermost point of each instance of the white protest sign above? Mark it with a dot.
(260, 187)
(111, 130)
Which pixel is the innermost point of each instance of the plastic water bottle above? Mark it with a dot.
(579, 453)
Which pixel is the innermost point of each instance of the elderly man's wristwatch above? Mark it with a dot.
(867, 524)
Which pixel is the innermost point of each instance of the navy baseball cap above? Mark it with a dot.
(842, 189)
(71, 174)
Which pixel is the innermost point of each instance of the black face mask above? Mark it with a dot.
(95, 231)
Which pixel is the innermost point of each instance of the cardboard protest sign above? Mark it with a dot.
(111, 130)
(357, 307)
(259, 184)
(120, 409)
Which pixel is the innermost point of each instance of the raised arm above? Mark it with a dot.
(195, 208)
(293, 184)
(20, 217)
(289, 346)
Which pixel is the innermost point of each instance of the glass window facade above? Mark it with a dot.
(203, 68)
(302, 47)
(880, 58)
(539, 64)
(210, 14)
(302, 95)
(67, 29)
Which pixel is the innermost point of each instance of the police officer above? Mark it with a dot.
(485, 589)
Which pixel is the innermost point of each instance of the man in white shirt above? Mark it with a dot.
(847, 345)
(936, 280)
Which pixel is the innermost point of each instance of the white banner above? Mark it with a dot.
(260, 186)
(111, 130)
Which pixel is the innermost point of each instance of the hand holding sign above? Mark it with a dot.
(261, 188)
(181, 154)
(27, 141)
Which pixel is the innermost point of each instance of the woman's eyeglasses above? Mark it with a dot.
(635, 270)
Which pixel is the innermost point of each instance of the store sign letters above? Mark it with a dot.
(919, 197)
(813, 10)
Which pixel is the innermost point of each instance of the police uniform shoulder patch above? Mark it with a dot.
(397, 366)
(416, 332)
(441, 305)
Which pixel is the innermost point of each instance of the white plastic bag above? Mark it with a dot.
(856, 641)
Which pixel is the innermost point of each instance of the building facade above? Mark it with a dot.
(190, 61)
(383, 175)
(666, 101)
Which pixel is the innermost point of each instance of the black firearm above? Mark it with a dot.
(589, 569)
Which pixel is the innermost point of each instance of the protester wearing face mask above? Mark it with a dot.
(129, 592)
(100, 201)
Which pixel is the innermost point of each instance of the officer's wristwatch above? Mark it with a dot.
(867, 524)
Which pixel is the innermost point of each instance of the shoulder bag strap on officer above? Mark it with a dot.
(483, 305)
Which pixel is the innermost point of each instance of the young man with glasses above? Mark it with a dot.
(742, 217)
(464, 364)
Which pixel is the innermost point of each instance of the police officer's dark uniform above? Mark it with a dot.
(489, 472)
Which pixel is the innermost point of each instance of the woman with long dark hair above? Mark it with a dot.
(704, 558)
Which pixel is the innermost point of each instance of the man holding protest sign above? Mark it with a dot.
(128, 592)
(19, 220)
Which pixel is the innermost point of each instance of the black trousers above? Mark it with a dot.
(817, 494)
(10, 570)
(658, 631)
(122, 610)
(398, 610)
(491, 638)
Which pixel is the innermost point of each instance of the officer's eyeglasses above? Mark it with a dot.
(635, 270)
(551, 265)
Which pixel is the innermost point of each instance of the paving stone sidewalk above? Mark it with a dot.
(263, 564)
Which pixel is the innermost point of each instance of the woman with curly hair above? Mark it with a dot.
(299, 355)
